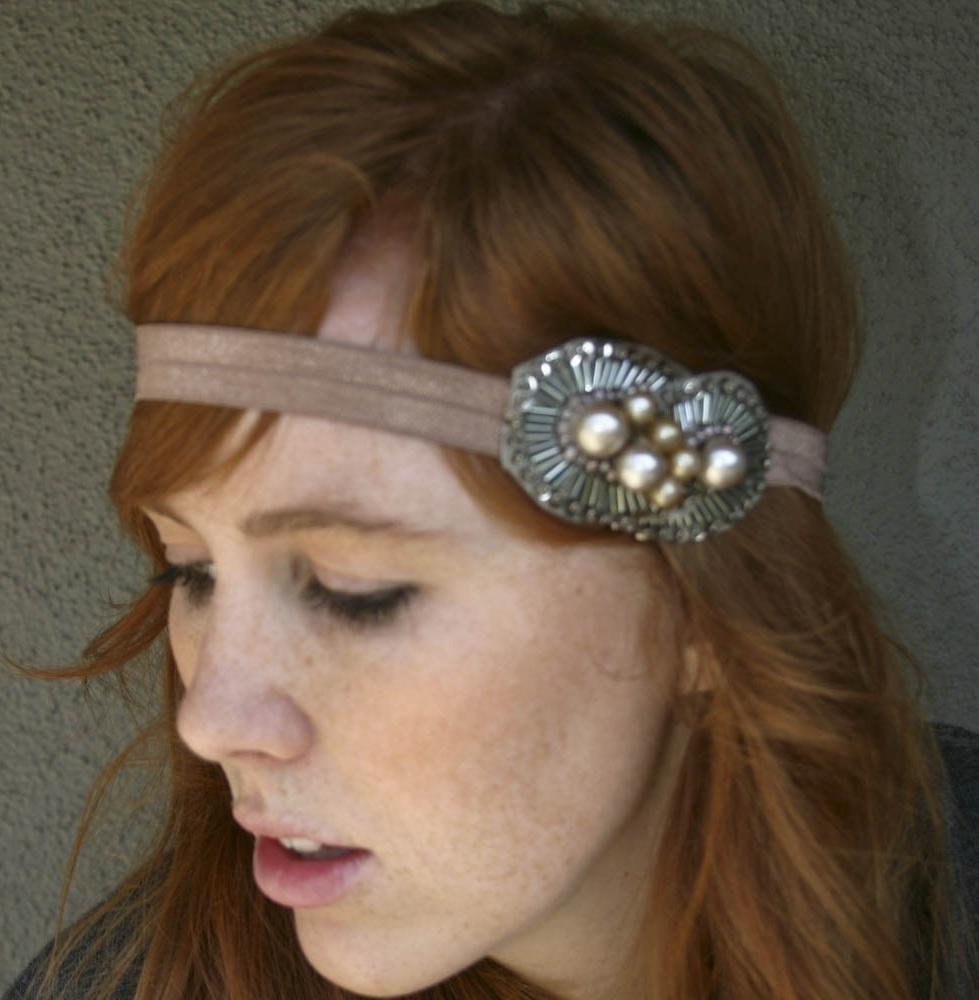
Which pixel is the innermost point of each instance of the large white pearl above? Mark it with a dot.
(668, 494)
(725, 464)
(640, 466)
(600, 430)
(667, 436)
(687, 464)
(641, 407)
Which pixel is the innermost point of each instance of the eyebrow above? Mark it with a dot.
(339, 518)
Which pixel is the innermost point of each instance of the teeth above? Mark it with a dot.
(311, 850)
(300, 844)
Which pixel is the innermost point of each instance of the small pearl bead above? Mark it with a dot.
(725, 464)
(667, 436)
(600, 430)
(669, 493)
(687, 464)
(641, 407)
(640, 467)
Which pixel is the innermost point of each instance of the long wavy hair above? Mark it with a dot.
(557, 170)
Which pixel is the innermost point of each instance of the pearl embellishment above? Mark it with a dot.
(668, 494)
(687, 464)
(601, 430)
(725, 464)
(660, 460)
(640, 467)
(641, 407)
(667, 436)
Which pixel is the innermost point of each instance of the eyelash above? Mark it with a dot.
(369, 610)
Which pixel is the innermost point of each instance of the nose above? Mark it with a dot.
(236, 703)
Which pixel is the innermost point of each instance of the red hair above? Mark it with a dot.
(555, 171)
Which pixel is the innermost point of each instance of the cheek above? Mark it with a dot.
(514, 744)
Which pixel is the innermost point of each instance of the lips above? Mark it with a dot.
(275, 829)
(300, 882)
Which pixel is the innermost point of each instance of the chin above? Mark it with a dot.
(374, 964)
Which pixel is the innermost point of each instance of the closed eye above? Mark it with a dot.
(357, 609)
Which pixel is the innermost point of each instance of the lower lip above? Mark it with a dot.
(290, 881)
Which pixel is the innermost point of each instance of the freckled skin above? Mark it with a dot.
(502, 745)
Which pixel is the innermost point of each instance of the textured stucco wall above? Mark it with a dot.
(886, 89)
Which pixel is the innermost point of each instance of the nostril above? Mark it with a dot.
(254, 721)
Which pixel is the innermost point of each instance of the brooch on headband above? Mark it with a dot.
(614, 434)
(597, 431)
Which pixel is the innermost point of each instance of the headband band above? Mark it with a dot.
(597, 431)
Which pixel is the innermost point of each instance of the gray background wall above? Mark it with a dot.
(885, 90)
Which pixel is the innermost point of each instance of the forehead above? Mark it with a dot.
(313, 460)
(349, 472)
(369, 291)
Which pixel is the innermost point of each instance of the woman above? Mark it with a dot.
(437, 722)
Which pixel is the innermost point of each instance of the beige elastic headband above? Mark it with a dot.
(597, 431)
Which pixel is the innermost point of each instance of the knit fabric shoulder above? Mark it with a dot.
(960, 754)
(27, 984)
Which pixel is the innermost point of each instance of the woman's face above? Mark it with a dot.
(498, 741)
